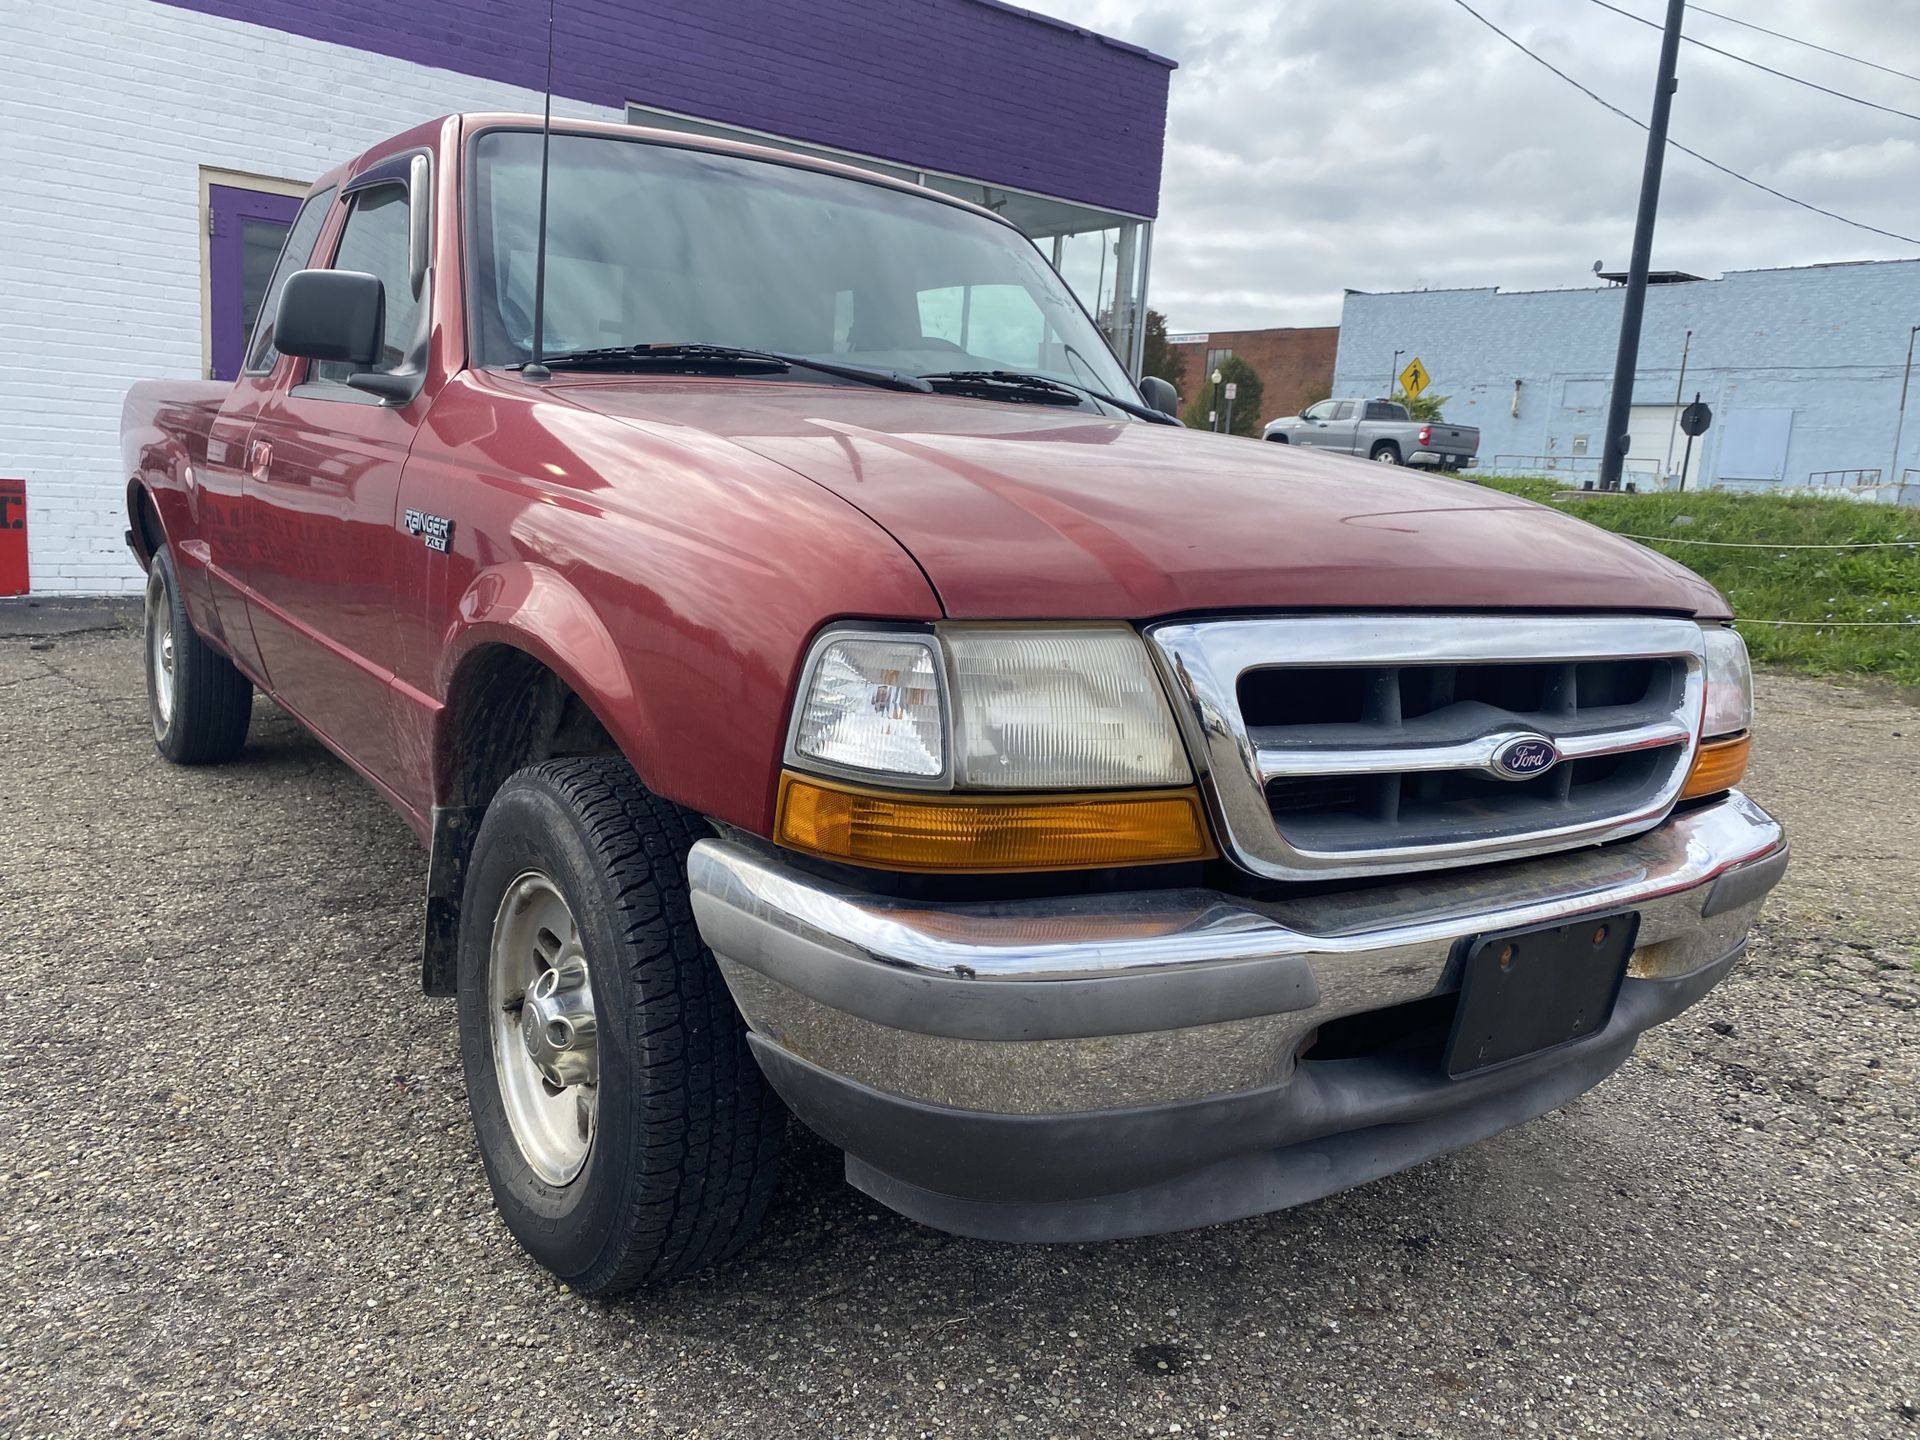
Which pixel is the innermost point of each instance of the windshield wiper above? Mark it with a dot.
(988, 382)
(733, 359)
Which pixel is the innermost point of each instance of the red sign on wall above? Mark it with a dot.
(13, 537)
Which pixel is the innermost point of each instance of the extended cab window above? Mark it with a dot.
(293, 256)
(375, 241)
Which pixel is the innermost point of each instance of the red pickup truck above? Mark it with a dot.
(825, 680)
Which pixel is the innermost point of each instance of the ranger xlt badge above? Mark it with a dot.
(436, 530)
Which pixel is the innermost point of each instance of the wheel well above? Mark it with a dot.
(1280, 439)
(144, 524)
(510, 711)
(1379, 445)
(505, 710)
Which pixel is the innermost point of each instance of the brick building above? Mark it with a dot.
(1295, 366)
(1804, 369)
(154, 153)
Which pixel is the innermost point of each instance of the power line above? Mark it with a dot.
(1684, 150)
(1757, 545)
(1836, 624)
(1796, 40)
(1781, 74)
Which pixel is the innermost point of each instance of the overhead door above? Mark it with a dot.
(1657, 445)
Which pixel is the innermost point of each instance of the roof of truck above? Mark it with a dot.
(473, 122)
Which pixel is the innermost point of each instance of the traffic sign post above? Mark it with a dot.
(1233, 389)
(1414, 379)
(1694, 420)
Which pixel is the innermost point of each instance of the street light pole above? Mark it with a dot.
(1627, 360)
(1900, 421)
(1213, 414)
(1393, 373)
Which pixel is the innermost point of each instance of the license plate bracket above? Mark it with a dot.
(1523, 992)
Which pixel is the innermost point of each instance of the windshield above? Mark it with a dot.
(657, 244)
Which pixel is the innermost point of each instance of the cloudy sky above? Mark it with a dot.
(1320, 145)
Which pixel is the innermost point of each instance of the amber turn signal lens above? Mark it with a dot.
(892, 830)
(1717, 767)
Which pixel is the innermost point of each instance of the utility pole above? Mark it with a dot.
(1900, 421)
(1393, 373)
(1627, 360)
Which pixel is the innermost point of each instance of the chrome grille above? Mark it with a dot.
(1361, 745)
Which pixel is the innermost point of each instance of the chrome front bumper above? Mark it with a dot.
(912, 1034)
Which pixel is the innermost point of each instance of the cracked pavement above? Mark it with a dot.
(239, 1196)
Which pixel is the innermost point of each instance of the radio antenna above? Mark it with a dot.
(534, 369)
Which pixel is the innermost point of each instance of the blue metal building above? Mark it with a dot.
(1803, 367)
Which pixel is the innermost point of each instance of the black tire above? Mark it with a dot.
(201, 718)
(1385, 453)
(685, 1146)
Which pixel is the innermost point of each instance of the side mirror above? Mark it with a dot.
(332, 315)
(1160, 394)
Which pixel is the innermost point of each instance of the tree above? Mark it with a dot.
(1247, 414)
(1157, 357)
(1427, 407)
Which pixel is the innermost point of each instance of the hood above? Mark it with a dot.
(1029, 512)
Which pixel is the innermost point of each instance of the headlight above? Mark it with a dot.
(1074, 716)
(873, 704)
(1725, 743)
(1016, 708)
(1059, 710)
(1729, 685)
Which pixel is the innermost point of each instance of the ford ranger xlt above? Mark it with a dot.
(826, 683)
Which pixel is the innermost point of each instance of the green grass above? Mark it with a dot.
(1769, 583)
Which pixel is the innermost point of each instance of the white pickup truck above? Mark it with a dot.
(1381, 430)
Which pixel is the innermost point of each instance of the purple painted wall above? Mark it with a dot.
(974, 87)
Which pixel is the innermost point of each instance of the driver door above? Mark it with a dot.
(1313, 424)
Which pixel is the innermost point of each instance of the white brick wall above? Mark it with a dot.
(108, 109)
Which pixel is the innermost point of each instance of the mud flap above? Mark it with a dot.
(454, 827)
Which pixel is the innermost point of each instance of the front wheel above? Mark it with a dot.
(199, 703)
(627, 1133)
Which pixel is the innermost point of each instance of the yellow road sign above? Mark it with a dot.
(1414, 378)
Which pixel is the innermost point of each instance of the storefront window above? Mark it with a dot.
(1102, 254)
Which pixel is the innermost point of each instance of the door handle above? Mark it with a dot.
(259, 460)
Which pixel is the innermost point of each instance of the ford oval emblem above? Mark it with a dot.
(1524, 757)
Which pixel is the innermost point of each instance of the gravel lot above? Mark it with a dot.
(238, 1194)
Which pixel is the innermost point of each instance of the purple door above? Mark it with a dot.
(248, 228)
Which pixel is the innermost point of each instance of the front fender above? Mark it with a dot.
(670, 578)
(532, 608)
